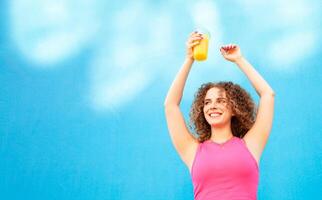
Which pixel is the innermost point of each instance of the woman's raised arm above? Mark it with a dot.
(256, 138)
(182, 139)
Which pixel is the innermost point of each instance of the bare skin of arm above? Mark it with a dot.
(256, 138)
(183, 141)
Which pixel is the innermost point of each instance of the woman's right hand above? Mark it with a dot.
(193, 40)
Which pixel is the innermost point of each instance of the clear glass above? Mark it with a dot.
(200, 51)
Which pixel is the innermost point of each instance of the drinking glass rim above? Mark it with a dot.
(203, 30)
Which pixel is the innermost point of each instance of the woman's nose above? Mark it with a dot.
(214, 105)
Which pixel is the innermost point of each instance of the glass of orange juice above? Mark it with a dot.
(200, 51)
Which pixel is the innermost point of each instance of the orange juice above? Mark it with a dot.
(200, 51)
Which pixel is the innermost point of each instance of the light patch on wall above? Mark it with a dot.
(127, 17)
(137, 23)
(122, 69)
(114, 82)
(126, 55)
(295, 24)
(205, 15)
(160, 35)
(291, 49)
(293, 12)
(142, 45)
(110, 95)
(52, 30)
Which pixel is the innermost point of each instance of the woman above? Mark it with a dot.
(223, 161)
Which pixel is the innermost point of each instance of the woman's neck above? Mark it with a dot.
(221, 133)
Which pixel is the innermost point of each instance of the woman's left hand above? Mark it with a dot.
(231, 52)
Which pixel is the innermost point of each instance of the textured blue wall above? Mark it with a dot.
(83, 85)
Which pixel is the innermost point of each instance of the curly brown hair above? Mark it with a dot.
(239, 100)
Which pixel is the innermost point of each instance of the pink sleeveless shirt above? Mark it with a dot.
(225, 171)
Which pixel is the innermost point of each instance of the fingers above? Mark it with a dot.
(194, 39)
(228, 47)
(195, 36)
(195, 33)
(189, 45)
(222, 51)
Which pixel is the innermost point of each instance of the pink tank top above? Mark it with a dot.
(224, 171)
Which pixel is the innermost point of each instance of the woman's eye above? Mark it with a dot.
(222, 101)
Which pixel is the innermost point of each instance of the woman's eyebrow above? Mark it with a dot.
(216, 98)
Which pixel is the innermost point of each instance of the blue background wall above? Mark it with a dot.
(83, 85)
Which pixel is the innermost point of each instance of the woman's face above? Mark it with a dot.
(216, 108)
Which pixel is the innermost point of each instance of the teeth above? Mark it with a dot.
(214, 115)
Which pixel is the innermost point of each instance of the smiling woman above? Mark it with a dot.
(223, 160)
(233, 99)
